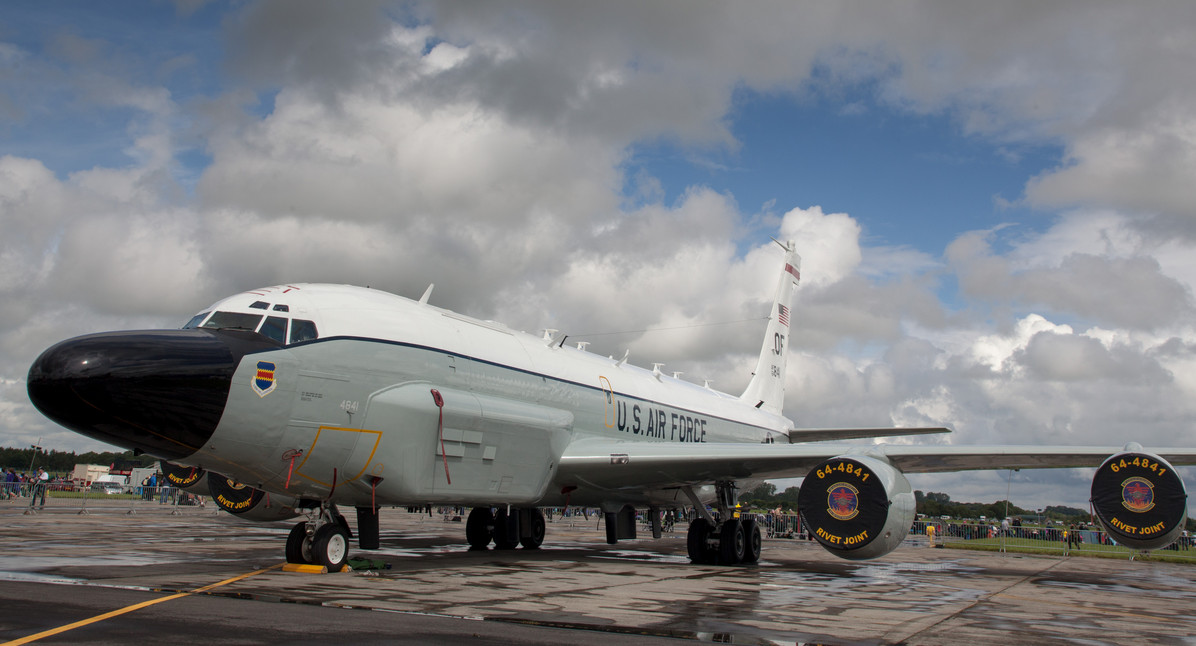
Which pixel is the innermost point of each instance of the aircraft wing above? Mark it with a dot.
(823, 434)
(648, 465)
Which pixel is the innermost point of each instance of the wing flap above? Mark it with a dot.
(799, 435)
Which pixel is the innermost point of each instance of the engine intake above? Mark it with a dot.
(249, 503)
(190, 479)
(857, 507)
(1139, 499)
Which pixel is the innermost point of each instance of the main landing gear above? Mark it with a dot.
(722, 542)
(509, 527)
(323, 539)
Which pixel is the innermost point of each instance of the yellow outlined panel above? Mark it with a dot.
(609, 394)
(351, 452)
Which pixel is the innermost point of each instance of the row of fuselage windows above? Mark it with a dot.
(273, 327)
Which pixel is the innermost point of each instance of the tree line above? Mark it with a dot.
(63, 462)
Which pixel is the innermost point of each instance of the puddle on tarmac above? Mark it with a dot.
(31, 564)
(784, 587)
(641, 556)
(37, 577)
(1126, 590)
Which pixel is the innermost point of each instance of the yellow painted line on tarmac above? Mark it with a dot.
(136, 606)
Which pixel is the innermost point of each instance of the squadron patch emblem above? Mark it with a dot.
(1137, 494)
(843, 501)
(263, 380)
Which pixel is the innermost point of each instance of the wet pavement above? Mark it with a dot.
(57, 567)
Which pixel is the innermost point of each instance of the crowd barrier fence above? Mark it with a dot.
(1038, 538)
(35, 498)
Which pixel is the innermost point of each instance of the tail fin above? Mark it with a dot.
(767, 388)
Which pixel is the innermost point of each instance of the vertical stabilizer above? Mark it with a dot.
(767, 388)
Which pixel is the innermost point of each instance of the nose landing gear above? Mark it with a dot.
(323, 539)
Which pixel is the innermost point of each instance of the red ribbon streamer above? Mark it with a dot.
(289, 470)
(440, 431)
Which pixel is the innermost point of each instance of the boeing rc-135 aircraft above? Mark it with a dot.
(314, 397)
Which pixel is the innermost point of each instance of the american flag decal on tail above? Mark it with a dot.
(783, 314)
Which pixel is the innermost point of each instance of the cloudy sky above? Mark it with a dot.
(995, 202)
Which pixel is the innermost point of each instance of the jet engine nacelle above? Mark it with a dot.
(1139, 499)
(857, 507)
(190, 479)
(249, 503)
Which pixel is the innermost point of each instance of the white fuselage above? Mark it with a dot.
(350, 416)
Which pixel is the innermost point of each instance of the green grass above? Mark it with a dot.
(1056, 549)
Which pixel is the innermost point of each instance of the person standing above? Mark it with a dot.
(39, 488)
(11, 483)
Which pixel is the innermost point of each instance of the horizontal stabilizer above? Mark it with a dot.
(798, 435)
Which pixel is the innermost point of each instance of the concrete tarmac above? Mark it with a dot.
(58, 567)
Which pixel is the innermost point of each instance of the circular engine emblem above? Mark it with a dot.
(843, 501)
(180, 476)
(233, 484)
(1137, 494)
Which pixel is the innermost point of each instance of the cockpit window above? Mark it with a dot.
(233, 320)
(275, 328)
(260, 305)
(282, 308)
(303, 331)
(195, 321)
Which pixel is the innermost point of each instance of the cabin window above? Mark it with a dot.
(196, 320)
(233, 320)
(275, 328)
(303, 331)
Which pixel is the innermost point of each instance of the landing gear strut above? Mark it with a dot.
(323, 539)
(508, 528)
(726, 540)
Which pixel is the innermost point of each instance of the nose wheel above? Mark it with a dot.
(299, 544)
(330, 547)
(322, 540)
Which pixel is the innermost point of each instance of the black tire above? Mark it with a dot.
(732, 543)
(344, 523)
(538, 529)
(504, 537)
(330, 547)
(479, 528)
(755, 541)
(299, 545)
(695, 542)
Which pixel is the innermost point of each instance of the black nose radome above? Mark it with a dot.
(161, 392)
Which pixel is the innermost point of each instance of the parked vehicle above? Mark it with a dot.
(108, 487)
